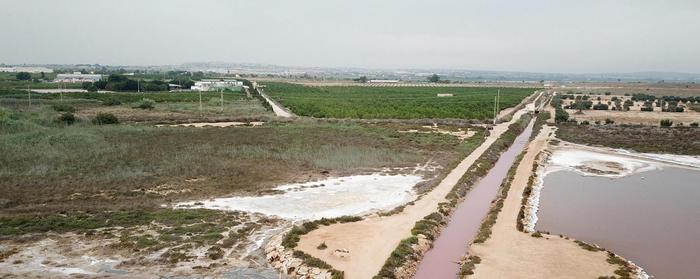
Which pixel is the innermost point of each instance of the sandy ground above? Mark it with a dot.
(328, 198)
(461, 134)
(276, 108)
(71, 255)
(513, 254)
(370, 242)
(213, 124)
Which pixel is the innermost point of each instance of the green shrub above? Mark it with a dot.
(111, 102)
(145, 104)
(666, 123)
(66, 118)
(215, 253)
(694, 124)
(105, 119)
(63, 108)
(609, 121)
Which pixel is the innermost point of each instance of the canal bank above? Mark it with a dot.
(442, 261)
(509, 253)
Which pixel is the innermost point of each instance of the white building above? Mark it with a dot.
(77, 77)
(384, 81)
(217, 84)
(33, 70)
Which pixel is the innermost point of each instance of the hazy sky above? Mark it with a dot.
(514, 35)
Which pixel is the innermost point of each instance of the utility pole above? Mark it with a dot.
(200, 103)
(498, 103)
(60, 91)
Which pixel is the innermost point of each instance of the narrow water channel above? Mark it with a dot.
(442, 261)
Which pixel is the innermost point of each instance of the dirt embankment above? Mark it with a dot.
(368, 243)
(509, 253)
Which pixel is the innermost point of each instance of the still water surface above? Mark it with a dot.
(651, 218)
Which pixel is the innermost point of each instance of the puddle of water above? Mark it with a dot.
(651, 218)
(588, 162)
(442, 261)
(334, 197)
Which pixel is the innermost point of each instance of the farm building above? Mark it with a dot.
(384, 81)
(215, 84)
(77, 77)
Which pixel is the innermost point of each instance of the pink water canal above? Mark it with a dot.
(442, 261)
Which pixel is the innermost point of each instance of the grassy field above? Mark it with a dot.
(47, 166)
(8, 81)
(392, 102)
(167, 107)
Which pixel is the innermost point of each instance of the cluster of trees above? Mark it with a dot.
(434, 78)
(560, 115)
(666, 103)
(23, 76)
(120, 83)
(600, 106)
(361, 79)
(677, 99)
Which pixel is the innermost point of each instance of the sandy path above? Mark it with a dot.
(531, 98)
(276, 108)
(513, 254)
(371, 241)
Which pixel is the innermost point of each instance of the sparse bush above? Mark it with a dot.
(322, 246)
(215, 253)
(63, 108)
(105, 119)
(666, 123)
(469, 265)
(694, 124)
(23, 76)
(66, 118)
(111, 102)
(600, 107)
(609, 121)
(145, 104)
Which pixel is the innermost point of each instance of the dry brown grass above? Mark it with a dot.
(676, 140)
(51, 168)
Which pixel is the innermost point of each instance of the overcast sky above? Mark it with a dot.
(572, 36)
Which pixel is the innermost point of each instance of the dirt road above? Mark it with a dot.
(513, 254)
(276, 108)
(371, 241)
